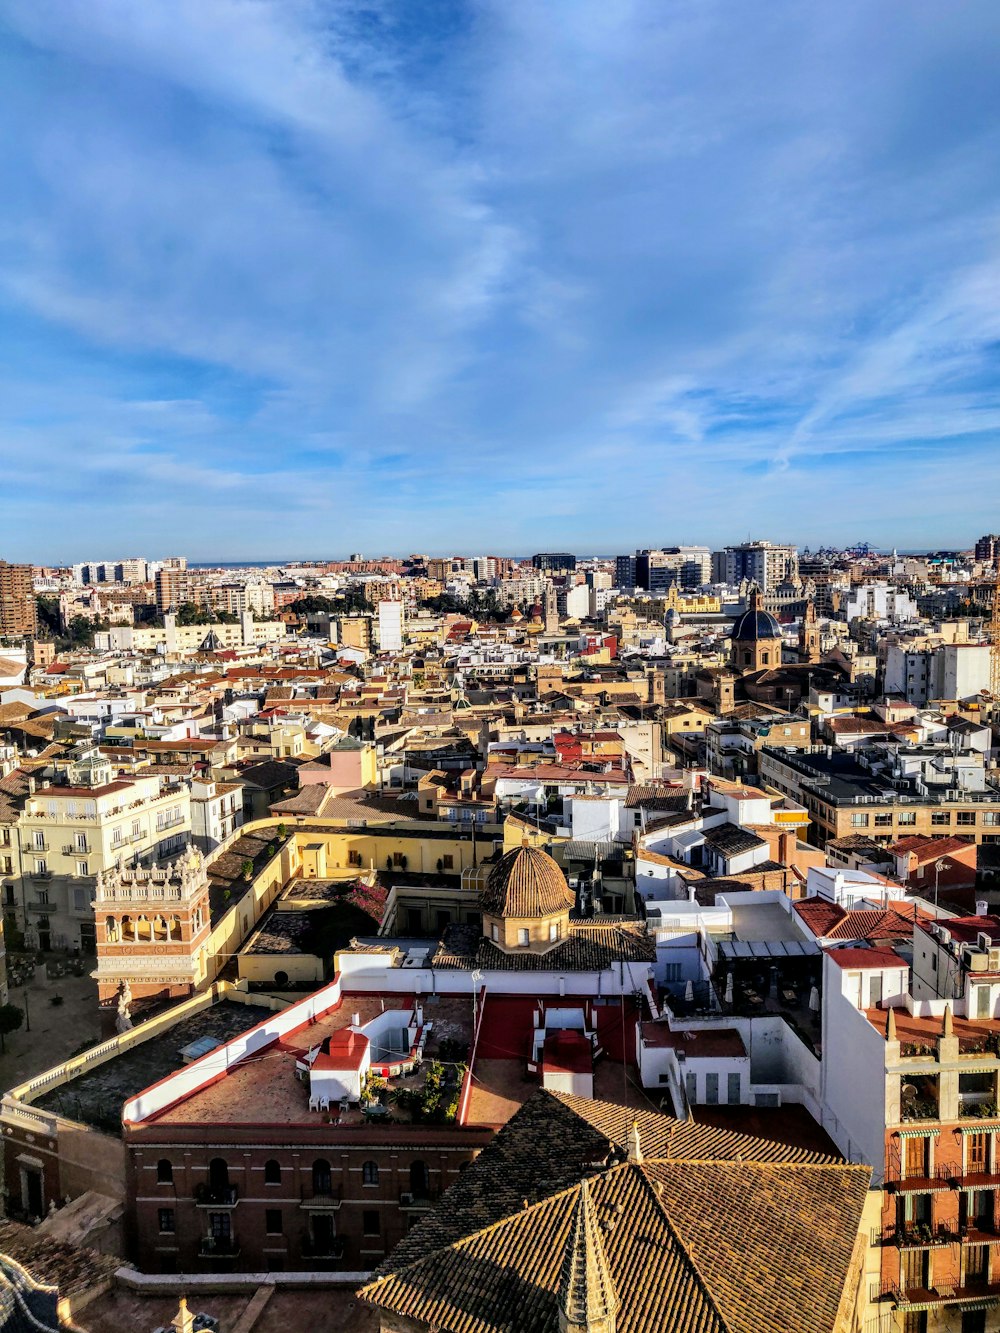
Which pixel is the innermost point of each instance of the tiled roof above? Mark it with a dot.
(590, 946)
(713, 1232)
(526, 882)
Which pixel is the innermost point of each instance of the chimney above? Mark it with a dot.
(890, 1027)
(948, 1026)
(982, 907)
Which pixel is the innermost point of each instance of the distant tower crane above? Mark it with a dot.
(995, 640)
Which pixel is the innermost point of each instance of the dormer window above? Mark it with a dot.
(523, 938)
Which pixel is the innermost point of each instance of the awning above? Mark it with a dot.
(918, 1133)
(736, 950)
(984, 1126)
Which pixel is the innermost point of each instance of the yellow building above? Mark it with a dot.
(66, 836)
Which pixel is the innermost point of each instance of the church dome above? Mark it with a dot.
(755, 624)
(526, 883)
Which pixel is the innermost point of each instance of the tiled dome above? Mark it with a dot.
(526, 883)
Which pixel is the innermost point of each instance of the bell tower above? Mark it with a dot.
(809, 644)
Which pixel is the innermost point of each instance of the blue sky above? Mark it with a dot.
(304, 277)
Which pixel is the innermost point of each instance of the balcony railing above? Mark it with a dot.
(218, 1247)
(314, 1247)
(216, 1196)
(330, 1196)
(70, 850)
(41, 905)
(40, 874)
(918, 1236)
(417, 1201)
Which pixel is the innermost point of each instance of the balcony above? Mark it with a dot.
(36, 846)
(904, 1297)
(319, 1247)
(70, 850)
(916, 1236)
(218, 1247)
(322, 1197)
(40, 874)
(417, 1203)
(41, 905)
(216, 1196)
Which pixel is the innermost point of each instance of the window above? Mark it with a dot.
(9, 893)
(38, 840)
(166, 1221)
(859, 821)
(41, 866)
(522, 937)
(906, 817)
(691, 1086)
(272, 1221)
(272, 1172)
(554, 931)
(976, 1150)
(447, 862)
(883, 821)
(991, 817)
(80, 842)
(321, 1178)
(673, 972)
(940, 816)
(965, 817)
(370, 1223)
(220, 1226)
(369, 1173)
(712, 1089)
(733, 1089)
(494, 932)
(164, 1172)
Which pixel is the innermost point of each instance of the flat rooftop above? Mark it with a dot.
(263, 1089)
(95, 1097)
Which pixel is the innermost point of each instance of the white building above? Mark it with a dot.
(390, 626)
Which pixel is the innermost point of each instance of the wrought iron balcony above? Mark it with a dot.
(216, 1196)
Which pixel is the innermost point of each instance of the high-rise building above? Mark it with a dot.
(688, 567)
(18, 609)
(172, 588)
(554, 560)
(758, 562)
(988, 547)
(625, 571)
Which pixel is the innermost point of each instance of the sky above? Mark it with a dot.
(299, 278)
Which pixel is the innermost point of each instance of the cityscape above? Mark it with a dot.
(499, 666)
(374, 924)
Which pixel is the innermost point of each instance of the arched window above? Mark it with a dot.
(765, 658)
(218, 1174)
(369, 1173)
(164, 1172)
(175, 927)
(159, 928)
(420, 1183)
(142, 929)
(322, 1180)
(272, 1172)
(128, 929)
(111, 930)
(747, 658)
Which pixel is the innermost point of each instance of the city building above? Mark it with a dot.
(759, 562)
(18, 609)
(554, 561)
(152, 929)
(62, 836)
(600, 1218)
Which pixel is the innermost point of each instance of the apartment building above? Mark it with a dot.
(911, 1077)
(757, 562)
(887, 794)
(65, 836)
(18, 609)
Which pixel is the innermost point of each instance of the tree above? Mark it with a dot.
(247, 869)
(11, 1019)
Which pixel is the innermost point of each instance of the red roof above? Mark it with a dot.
(347, 1051)
(966, 929)
(567, 1052)
(928, 848)
(866, 958)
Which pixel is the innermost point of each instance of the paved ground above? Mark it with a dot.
(329, 1310)
(55, 1032)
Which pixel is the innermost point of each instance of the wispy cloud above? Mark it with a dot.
(309, 275)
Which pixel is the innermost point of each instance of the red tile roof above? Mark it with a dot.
(849, 957)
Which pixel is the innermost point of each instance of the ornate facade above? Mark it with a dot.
(152, 929)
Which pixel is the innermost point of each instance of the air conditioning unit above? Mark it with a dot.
(994, 956)
(976, 960)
